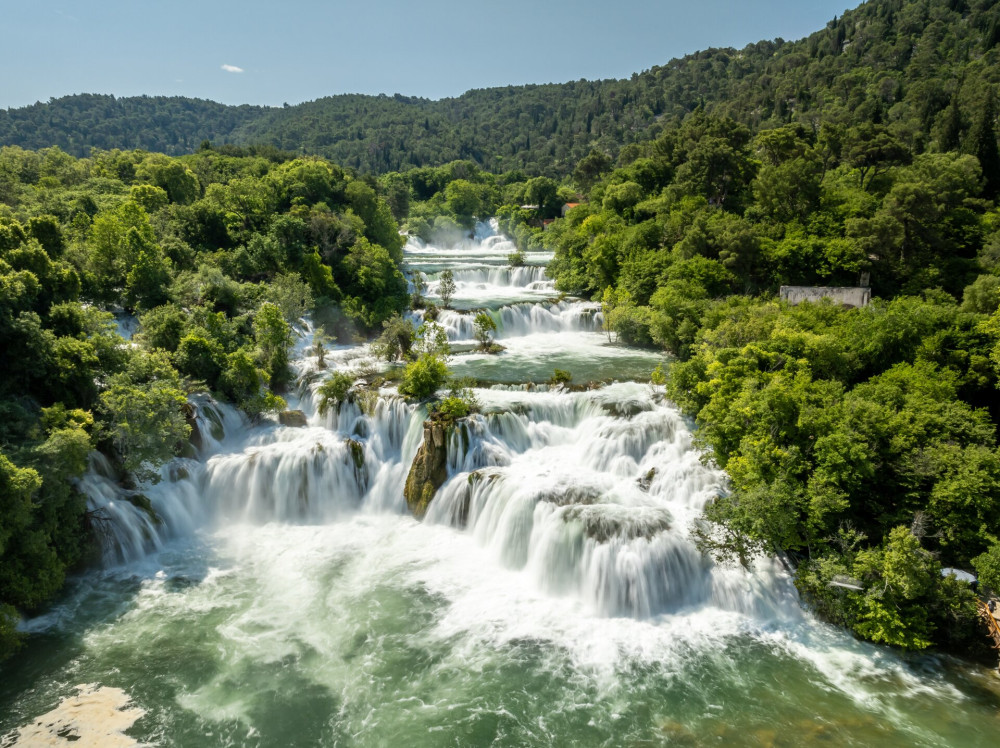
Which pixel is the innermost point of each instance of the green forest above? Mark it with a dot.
(908, 64)
(861, 444)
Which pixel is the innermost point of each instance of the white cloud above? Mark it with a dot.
(232, 69)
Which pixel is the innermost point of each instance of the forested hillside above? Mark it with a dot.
(913, 65)
(171, 125)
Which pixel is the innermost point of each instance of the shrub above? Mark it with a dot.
(452, 408)
(334, 391)
(561, 376)
(423, 377)
(659, 376)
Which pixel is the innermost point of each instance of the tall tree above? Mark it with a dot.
(983, 142)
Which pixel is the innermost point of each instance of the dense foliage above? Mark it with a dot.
(217, 254)
(166, 124)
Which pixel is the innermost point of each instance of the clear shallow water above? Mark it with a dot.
(551, 596)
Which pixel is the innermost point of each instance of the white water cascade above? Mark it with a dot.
(592, 494)
(273, 589)
(521, 320)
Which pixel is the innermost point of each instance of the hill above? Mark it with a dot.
(901, 62)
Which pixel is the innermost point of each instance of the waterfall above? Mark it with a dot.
(272, 587)
(590, 494)
(593, 494)
(520, 320)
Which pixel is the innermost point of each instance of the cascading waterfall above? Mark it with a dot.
(338, 465)
(271, 588)
(592, 494)
(589, 493)
(133, 523)
(520, 320)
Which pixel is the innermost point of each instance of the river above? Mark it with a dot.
(281, 595)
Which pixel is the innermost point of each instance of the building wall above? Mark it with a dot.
(848, 296)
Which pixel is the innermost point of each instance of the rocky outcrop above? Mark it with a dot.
(294, 418)
(429, 469)
(193, 446)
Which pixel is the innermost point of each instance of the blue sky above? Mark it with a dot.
(299, 50)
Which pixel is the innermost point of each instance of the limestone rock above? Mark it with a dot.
(294, 418)
(429, 469)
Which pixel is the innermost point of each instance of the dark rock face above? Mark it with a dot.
(429, 470)
(292, 418)
(195, 442)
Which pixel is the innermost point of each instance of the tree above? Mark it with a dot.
(419, 289)
(590, 168)
(463, 199)
(291, 295)
(871, 149)
(273, 336)
(374, 287)
(485, 326)
(446, 288)
(432, 338)
(983, 141)
(951, 128)
(899, 577)
(147, 281)
(396, 340)
(544, 193)
(17, 487)
(987, 566)
(200, 358)
(145, 422)
(180, 184)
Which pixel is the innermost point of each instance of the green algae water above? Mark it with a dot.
(282, 595)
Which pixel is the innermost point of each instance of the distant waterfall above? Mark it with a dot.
(518, 320)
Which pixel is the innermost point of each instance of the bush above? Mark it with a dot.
(423, 377)
(452, 408)
(334, 391)
(659, 376)
(243, 382)
(460, 401)
(561, 376)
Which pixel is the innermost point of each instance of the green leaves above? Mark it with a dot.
(273, 336)
(423, 377)
(145, 421)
